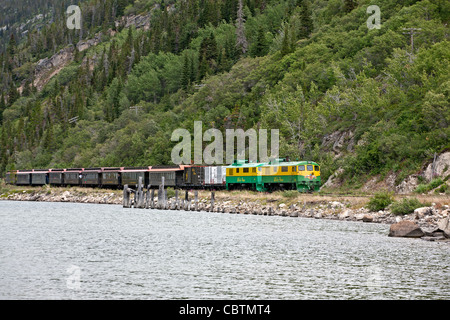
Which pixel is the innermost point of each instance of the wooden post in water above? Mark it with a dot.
(176, 199)
(186, 200)
(196, 200)
(147, 198)
(152, 199)
(161, 195)
(212, 201)
(139, 195)
(126, 197)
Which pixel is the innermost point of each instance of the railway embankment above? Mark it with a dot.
(430, 222)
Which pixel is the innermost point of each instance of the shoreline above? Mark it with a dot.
(345, 208)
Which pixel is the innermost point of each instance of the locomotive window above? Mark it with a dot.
(230, 172)
(309, 167)
(253, 170)
(275, 169)
(237, 170)
(294, 169)
(245, 170)
(259, 169)
(284, 169)
(316, 168)
(267, 171)
(301, 168)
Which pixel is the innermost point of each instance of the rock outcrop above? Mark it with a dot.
(406, 229)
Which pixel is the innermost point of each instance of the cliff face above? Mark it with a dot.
(47, 68)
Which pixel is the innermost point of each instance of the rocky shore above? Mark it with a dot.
(428, 223)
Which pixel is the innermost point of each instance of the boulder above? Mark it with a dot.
(408, 229)
(420, 212)
(444, 225)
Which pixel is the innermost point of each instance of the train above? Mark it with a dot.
(276, 174)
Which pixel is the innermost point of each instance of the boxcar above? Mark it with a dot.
(173, 176)
(24, 177)
(39, 177)
(111, 177)
(193, 177)
(72, 176)
(214, 177)
(11, 177)
(56, 177)
(91, 177)
(130, 175)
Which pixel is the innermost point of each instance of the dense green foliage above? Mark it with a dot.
(380, 201)
(406, 205)
(309, 68)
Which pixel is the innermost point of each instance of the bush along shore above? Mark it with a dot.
(407, 217)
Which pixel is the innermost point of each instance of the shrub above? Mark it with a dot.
(290, 193)
(424, 188)
(405, 206)
(442, 189)
(380, 201)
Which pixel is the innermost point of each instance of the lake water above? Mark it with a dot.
(93, 251)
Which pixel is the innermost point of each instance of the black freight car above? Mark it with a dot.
(56, 177)
(130, 175)
(72, 176)
(39, 177)
(111, 177)
(11, 177)
(24, 177)
(91, 177)
(173, 176)
(193, 177)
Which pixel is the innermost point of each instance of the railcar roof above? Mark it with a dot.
(271, 164)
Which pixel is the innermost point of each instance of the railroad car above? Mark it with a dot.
(193, 177)
(39, 177)
(72, 176)
(11, 177)
(214, 177)
(278, 174)
(91, 177)
(243, 175)
(56, 177)
(24, 177)
(130, 175)
(173, 176)
(111, 177)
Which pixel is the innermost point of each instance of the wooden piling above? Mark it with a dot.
(196, 200)
(139, 202)
(212, 201)
(152, 199)
(147, 198)
(126, 197)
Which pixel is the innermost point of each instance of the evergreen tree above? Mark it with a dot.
(349, 5)
(2, 107)
(12, 45)
(306, 20)
(261, 46)
(286, 44)
(241, 40)
(186, 79)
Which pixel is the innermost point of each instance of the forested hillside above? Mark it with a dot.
(361, 100)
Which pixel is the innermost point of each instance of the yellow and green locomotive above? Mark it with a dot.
(277, 174)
